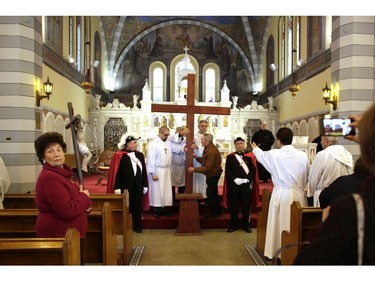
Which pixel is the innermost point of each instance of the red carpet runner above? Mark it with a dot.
(149, 222)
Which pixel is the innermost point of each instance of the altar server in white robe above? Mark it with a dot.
(289, 169)
(178, 143)
(329, 164)
(159, 160)
(199, 180)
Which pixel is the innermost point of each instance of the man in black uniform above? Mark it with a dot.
(264, 139)
(239, 176)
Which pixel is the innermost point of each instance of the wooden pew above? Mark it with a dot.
(122, 220)
(302, 221)
(262, 222)
(122, 224)
(99, 246)
(41, 251)
(70, 160)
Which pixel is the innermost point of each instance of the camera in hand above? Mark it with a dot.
(336, 127)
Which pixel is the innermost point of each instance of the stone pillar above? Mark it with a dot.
(21, 67)
(352, 67)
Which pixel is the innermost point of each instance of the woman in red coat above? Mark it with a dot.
(61, 203)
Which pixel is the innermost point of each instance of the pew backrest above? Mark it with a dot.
(262, 221)
(122, 220)
(99, 246)
(41, 251)
(302, 221)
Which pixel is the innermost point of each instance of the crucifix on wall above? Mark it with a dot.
(189, 217)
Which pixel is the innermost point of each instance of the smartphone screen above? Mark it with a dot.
(337, 127)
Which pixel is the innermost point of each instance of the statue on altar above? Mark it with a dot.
(234, 99)
(254, 105)
(97, 101)
(270, 104)
(135, 100)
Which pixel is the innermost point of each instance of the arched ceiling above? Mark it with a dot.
(246, 36)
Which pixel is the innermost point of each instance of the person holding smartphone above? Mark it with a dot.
(339, 240)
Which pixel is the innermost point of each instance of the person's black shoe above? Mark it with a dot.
(166, 211)
(138, 229)
(247, 229)
(231, 229)
(211, 216)
(158, 216)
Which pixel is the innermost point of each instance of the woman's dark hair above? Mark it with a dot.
(285, 135)
(367, 138)
(43, 141)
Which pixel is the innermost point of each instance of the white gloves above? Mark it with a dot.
(239, 181)
(145, 190)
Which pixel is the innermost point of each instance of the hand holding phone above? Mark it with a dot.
(336, 127)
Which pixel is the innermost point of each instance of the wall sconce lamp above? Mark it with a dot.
(47, 88)
(327, 97)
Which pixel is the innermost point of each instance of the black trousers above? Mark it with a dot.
(263, 173)
(239, 194)
(135, 206)
(213, 199)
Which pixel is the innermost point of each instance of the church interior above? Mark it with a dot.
(114, 69)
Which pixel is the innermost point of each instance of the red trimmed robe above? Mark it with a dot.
(113, 168)
(256, 203)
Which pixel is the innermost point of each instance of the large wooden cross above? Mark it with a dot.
(189, 218)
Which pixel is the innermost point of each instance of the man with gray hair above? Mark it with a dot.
(329, 164)
(211, 168)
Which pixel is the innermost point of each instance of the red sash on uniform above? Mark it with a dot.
(256, 203)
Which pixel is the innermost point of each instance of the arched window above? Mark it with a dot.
(290, 45)
(211, 83)
(71, 36)
(180, 91)
(298, 37)
(176, 65)
(282, 44)
(157, 73)
(78, 43)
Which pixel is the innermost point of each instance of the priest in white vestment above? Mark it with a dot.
(329, 164)
(289, 169)
(159, 160)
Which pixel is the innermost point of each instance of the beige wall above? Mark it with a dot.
(65, 91)
(308, 101)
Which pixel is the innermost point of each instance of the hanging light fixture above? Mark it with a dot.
(327, 97)
(294, 87)
(87, 85)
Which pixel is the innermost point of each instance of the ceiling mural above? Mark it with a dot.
(232, 42)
